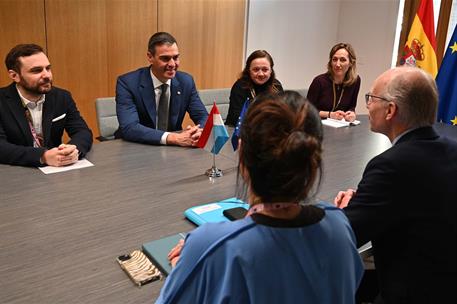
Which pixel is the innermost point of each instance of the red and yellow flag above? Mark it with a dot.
(420, 49)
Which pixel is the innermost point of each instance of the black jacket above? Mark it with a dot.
(16, 140)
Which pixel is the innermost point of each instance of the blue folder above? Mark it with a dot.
(212, 213)
(157, 251)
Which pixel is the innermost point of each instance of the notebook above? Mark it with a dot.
(213, 212)
(157, 251)
(335, 123)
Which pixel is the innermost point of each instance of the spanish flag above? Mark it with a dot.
(420, 49)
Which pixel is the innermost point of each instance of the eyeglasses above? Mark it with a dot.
(368, 96)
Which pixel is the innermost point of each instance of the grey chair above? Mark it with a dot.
(106, 117)
(302, 92)
(221, 96)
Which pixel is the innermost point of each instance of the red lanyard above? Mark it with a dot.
(38, 140)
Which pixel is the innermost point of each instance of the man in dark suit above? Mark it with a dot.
(34, 114)
(151, 102)
(406, 201)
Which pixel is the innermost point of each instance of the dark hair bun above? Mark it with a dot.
(281, 146)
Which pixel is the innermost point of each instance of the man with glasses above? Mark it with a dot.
(405, 203)
(151, 102)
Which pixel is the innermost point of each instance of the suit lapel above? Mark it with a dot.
(175, 101)
(46, 120)
(17, 109)
(147, 94)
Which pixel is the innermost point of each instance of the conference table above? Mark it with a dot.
(60, 233)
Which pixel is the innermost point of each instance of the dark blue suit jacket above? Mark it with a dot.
(406, 205)
(136, 105)
(59, 114)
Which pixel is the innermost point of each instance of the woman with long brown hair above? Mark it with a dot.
(258, 76)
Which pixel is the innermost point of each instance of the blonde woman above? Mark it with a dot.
(335, 92)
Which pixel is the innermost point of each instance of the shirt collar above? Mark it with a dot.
(25, 101)
(156, 82)
(396, 139)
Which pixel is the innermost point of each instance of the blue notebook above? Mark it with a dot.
(213, 212)
(157, 251)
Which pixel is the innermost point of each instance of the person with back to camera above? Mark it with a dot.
(335, 92)
(258, 76)
(405, 203)
(283, 251)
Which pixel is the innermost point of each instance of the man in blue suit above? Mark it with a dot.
(151, 102)
(406, 201)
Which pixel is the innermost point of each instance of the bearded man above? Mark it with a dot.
(34, 114)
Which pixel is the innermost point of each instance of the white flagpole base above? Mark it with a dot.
(214, 172)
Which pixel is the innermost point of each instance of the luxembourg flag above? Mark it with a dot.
(214, 135)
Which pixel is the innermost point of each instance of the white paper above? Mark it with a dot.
(83, 163)
(206, 208)
(335, 123)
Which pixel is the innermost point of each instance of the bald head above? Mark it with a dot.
(413, 91)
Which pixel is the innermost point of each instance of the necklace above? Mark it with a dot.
(253, 93)
(334, 98)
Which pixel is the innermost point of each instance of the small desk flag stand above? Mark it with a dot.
(214, 171)
(213, 138)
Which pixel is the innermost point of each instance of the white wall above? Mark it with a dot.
(299, 35)
(452, 22)
(370, 27)
(296, 34)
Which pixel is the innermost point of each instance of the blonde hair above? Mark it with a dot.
(351, 75)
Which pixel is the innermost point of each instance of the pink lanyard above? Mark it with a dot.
(36, 138)
(270, 206)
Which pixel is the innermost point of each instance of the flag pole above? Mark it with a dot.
(214, 171)
(214, 160)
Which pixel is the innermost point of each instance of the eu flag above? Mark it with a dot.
(236, 133)
(447, 84)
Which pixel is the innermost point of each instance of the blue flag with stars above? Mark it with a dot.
(236, 133)
(446, 81)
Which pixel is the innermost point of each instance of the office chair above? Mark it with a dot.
(106, 117)
(221, 96)
(302, 92)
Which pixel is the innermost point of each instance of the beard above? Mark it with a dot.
(42, 87)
